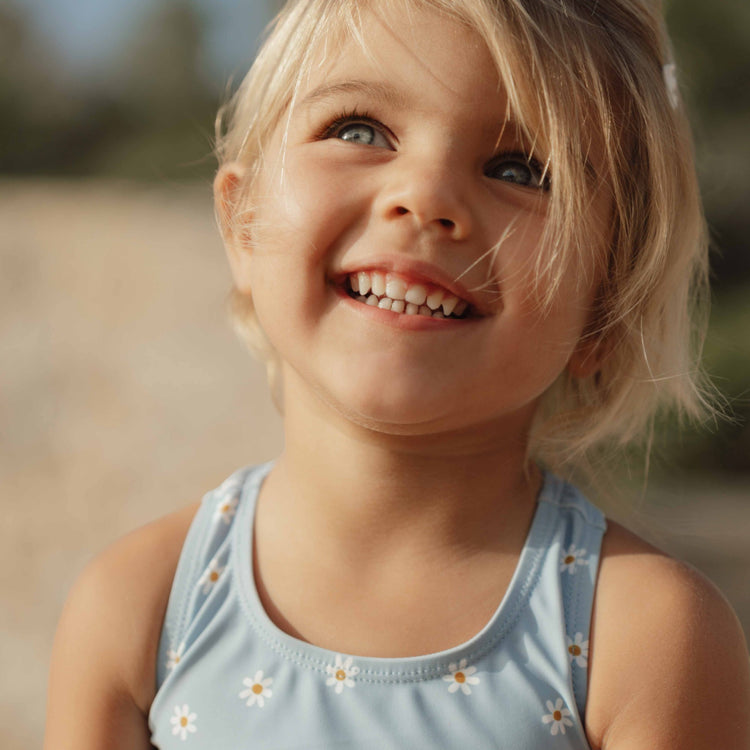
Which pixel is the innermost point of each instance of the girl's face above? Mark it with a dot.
(394, 169)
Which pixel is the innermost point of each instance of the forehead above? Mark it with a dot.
(417, 59)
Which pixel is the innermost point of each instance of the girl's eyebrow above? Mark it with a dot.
(375, 89)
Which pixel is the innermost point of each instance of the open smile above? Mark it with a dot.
(391, 291)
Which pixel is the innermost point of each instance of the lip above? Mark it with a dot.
(414, 271)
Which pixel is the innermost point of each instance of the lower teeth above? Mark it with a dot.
(400, 306)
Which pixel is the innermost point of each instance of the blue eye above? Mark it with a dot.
(519, 169)
(358, 129)
(361, 132)
(358, 132)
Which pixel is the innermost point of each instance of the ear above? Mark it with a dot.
(234, 219)
(588, 356)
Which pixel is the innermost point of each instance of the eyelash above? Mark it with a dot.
(349, 116)
(541, 171)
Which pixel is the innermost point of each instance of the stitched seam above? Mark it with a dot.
(597, 522)
(201, 546)
(579, 675)
(194, 550)
(571, 627)
(505, 626)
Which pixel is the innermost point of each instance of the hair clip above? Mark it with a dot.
(669, 72)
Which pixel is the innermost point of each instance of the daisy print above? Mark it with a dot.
(572, 559)
(341, 674)
(183, 722)
(226, 509)
(210, 576)
(558, 717)
(174, 656)
(257, 690)
(578, 650)
(230, 486)
(461, 677)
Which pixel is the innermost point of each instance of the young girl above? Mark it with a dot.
(467, 238)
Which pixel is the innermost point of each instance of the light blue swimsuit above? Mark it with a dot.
(229, 679)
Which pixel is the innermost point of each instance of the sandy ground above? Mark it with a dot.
(124, 395)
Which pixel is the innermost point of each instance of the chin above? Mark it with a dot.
(394, 408)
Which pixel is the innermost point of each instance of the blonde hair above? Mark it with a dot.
(587, 68)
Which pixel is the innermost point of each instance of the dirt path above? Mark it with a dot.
(123, 394)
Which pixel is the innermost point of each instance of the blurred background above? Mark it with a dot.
(123, 394)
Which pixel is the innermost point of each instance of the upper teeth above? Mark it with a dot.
(392, 292)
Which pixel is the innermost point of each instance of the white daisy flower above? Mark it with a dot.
(174, 656)
(210, 576)
(183, 721)
(229, 486)
(258, 689)
(461, 677)
(578, 650)
(341, 673)
(558, 717)
(226, 509)
(572, 559)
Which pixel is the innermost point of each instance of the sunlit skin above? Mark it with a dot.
(414, 429)
(421, 199)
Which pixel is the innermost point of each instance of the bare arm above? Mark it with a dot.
(102, 676)
(669, 665)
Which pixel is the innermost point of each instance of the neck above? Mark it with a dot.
(368, 489)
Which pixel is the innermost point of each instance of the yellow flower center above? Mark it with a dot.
(557, 715)
(459, 677)
(341, 675)
(575, 650)
(183, 721)
(570, 559)
(214, 576)
(226, 508)
(257, 689)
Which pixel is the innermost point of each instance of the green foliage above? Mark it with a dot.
(722, 444)
(152, 119)
(711, 45)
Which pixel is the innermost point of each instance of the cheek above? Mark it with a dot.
(554, 302)
(306, 206)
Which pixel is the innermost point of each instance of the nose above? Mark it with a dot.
(430, 196)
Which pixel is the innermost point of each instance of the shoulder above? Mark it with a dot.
(112, 619)
(669, 662)
(102, 673)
